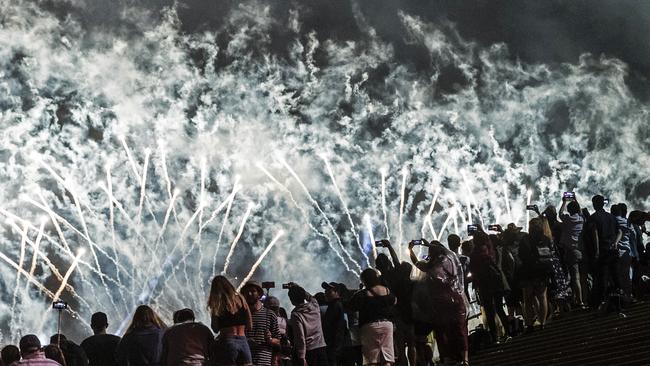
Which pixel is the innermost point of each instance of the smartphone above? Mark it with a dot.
(417, 242)
(379, 244)
(472, 229)
(59, 305)
(286, 286)
(494, 227)
(606, 201)
(268, 285)
(531, 207)
(569, 195)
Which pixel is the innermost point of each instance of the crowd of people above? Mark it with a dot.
(569, 260)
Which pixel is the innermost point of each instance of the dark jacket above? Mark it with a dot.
(141, 347)
(100, 349)
(334, 325)
(187, 343)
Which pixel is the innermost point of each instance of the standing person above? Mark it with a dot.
(53, 352)
(537, 267)
(282, 355)
(9, 355)
(100, 347)
(375, 304)
(32, 354)
(142, 342)
(572, 225)
(604, 235)
(187, 342)
(489, 281)
(305, 321)
(402, 288)
(627, 253)
(230, 318)
(446, 297)
(264, 334)
(335, 328)
(74, 355)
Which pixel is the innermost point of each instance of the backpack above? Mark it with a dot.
(543, 254)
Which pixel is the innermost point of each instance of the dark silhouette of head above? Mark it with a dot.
(615, 210)
(453, 241)
(550, 213)
(99, 322)
(623, 207)
(183, 315)
(383, 264)
(297, 295)
(9, 354)
(53, 352)
(370, 278)
(58, 339)
(598, 202)
(29, 344)
(573, 207)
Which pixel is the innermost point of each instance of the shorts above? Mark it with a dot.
(377, 343)
(233, 350)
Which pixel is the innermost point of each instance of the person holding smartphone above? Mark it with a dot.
(446, 296)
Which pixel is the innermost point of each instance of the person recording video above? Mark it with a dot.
(446, 295)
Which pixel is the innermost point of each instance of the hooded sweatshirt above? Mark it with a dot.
(307, 329)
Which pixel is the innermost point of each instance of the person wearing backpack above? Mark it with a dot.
(537, 265)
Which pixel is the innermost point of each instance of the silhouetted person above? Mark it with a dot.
(53, 352)
(9, 354)
(375, 304)
(74, 355)
(187, 342)
(445, 295)
(32, 354)
(142, 342)
(334, 326)
(572, 226)
(305, 321)
(604, 235)
(100, 347)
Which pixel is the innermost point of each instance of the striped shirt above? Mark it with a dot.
(36, 359)
(264, 321)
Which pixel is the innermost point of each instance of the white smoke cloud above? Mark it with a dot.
(70, 96)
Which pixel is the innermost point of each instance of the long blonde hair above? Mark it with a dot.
(223, 297)
(143, 317)
(538, 227)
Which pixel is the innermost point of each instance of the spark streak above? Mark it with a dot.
(306, 217)
(401, 209)
(372, 236)
(345, 208)
(239, 234)
(66, 277)
(383, 201)
(430, 212)
(260, 259)
(315, 203)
